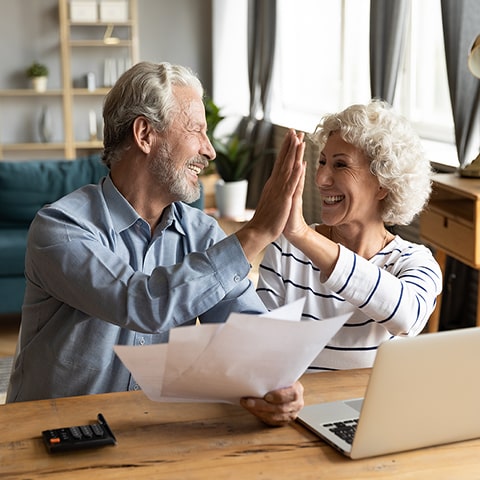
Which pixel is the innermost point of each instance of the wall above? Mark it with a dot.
(178, 31)
(29, 31)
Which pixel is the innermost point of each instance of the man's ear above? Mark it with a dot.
(143, 134)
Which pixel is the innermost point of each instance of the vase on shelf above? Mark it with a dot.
(45, 125)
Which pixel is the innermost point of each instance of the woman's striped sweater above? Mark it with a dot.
(392, 294)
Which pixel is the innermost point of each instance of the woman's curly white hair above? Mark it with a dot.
(395, 153)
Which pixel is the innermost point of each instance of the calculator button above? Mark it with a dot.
(76, 433)
(97, 430)
(86, 431)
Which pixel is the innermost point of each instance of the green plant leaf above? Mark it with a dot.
(234, 155)
(233, 160)
(37, 69)
(213, 116)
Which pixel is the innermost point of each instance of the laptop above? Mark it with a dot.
(423, 391)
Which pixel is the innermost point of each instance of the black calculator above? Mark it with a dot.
(83, 436)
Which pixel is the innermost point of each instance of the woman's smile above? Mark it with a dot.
(332, 199)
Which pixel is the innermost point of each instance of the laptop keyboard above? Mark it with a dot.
(345, 430)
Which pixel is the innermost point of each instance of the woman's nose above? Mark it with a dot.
(323, 176)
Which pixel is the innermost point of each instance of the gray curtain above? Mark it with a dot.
(388, 19)
(257, 128)
(461, 24)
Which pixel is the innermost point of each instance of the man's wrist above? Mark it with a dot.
(253, 240)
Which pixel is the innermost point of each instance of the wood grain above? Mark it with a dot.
(207, 441)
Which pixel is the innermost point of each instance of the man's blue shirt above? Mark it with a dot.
(97, 277)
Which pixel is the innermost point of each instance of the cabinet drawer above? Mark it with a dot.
(456, 238)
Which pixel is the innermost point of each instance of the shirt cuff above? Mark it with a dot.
(229, 262)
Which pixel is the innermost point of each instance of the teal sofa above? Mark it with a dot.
(26, 186)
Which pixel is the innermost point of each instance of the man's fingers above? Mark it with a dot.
(278, 407)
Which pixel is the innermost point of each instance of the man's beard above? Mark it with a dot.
(173, 180)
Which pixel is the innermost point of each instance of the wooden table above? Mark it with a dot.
(207, 441)
(451, 224)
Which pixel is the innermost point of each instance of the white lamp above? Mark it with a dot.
(474, 58)
(473, 170)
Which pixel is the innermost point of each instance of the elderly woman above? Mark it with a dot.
(371, 173)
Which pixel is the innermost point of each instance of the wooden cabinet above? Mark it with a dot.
(451, 224)
(83, 48)
(451, 221)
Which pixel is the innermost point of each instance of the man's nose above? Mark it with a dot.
(207, 150)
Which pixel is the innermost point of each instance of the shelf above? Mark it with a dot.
(31, 146)
(29, 92)
(83, 47)
(99, 43)
(128, 23)
(87, 145)
(84, 91)
(459, 209)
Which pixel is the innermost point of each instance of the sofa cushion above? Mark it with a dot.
(13, 243)
(26, 186)
(12, 289)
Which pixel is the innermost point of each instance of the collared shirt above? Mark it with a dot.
(97, 277)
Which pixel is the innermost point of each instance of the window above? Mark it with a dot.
(322, 65)
(422, 91)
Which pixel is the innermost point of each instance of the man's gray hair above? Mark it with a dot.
(143, 90)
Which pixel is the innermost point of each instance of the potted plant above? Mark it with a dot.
(38, 74)
(232, 163)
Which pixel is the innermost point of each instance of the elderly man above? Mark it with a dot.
(124, 261)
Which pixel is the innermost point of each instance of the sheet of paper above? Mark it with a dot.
(249, 355)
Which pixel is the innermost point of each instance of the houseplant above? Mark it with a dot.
(233, 164)
(38, 74)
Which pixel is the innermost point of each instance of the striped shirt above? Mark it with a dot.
(392, 294)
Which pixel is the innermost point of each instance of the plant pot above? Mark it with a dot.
(231, 198)
(39, 84)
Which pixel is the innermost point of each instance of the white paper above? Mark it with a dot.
(249, 355)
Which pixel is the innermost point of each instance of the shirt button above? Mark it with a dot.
(237, 278)
(136, 387)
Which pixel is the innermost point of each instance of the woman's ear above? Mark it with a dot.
(382, 193)
(143, 134)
